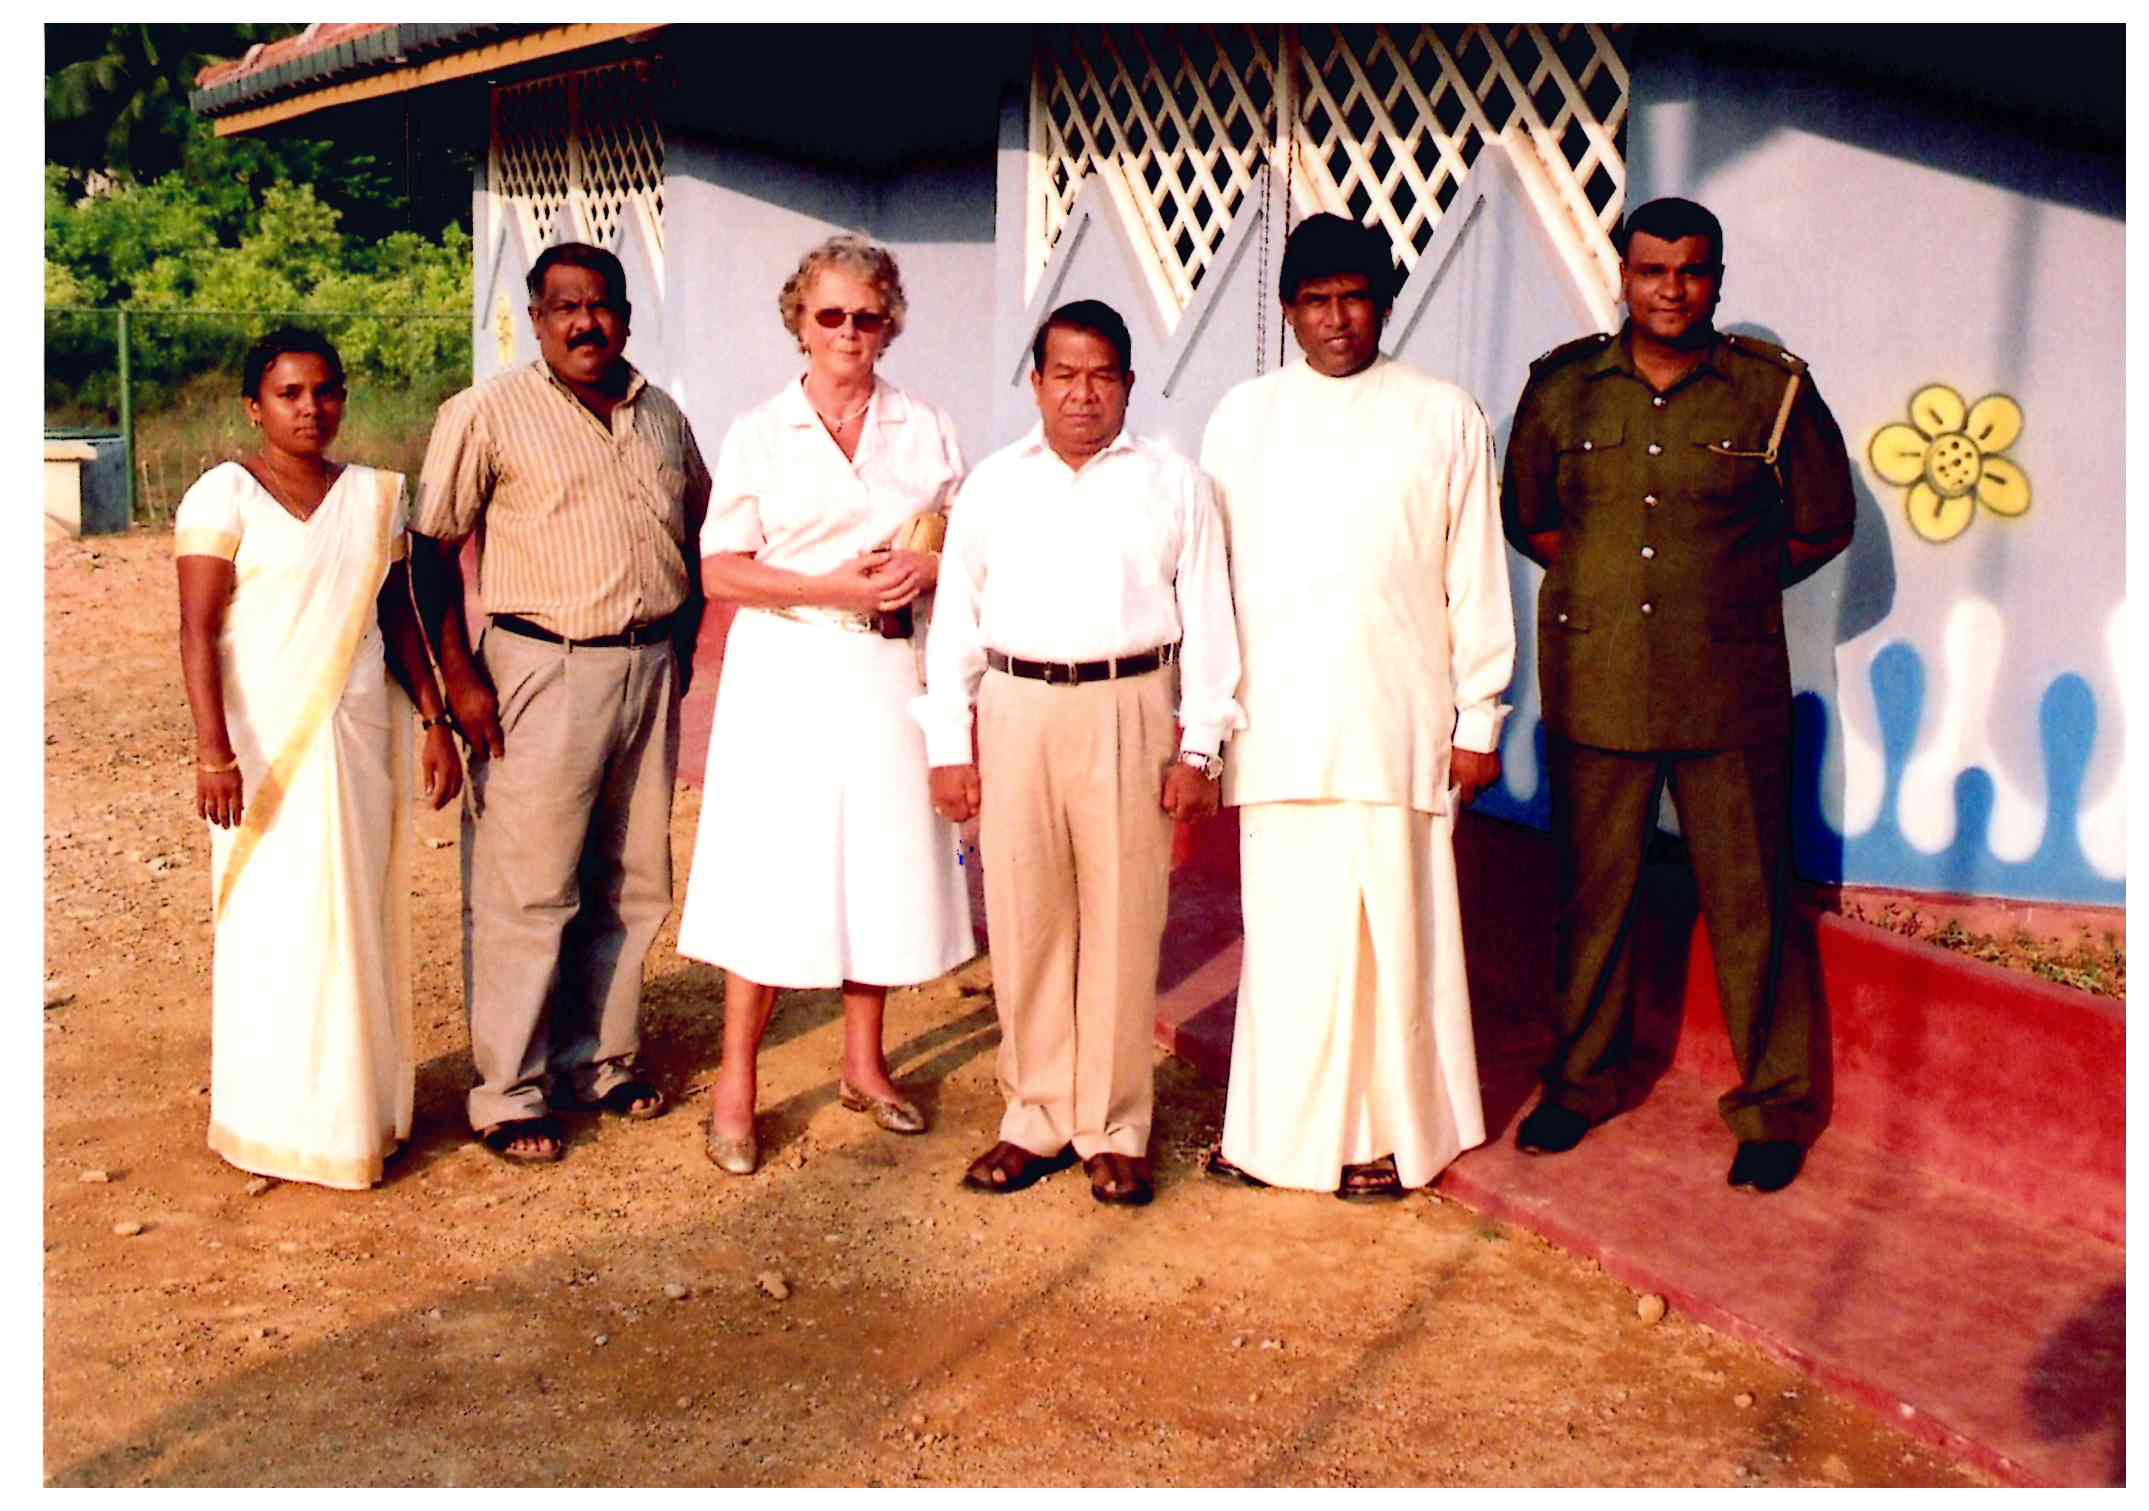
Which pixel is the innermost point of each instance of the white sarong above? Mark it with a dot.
(1353, 1037)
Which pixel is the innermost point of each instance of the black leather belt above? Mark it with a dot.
(1073, 673)
(639, 634)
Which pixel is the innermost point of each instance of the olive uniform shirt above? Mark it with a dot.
(1660, 626)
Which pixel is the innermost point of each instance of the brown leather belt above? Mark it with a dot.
(1073, 673)
(638, 634)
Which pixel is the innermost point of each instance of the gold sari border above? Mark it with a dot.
(268, 798)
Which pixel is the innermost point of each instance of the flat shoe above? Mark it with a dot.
(1021, 1168)
(1550, 1129)
(738, 1156)
(1119, 1180)
(896, 1114)
(1765, 1165)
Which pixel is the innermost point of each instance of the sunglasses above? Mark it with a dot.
(869, 322)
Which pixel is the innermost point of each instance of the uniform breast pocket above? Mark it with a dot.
(1727, 468)
(1591, 458)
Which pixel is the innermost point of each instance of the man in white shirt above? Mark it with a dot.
(1082, 565)
(1370, 578)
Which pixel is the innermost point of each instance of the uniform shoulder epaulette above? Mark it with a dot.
(1764, 351)
(1567, 351)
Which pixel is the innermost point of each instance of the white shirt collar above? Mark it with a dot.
(888, 406)
(1034, 444)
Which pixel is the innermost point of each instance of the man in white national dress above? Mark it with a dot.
(1082, 566)
(1370, 579)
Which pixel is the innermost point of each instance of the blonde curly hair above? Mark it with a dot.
(857, 256)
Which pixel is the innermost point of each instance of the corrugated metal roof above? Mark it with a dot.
(330, 51)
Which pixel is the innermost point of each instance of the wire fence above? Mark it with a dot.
(167, 383)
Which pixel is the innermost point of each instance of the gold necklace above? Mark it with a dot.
(266, 476)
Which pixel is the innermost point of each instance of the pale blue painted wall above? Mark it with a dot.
(1963, 703)
(736, 223)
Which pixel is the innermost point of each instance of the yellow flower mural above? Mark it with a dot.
(1948, 457)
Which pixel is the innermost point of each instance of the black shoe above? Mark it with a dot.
(1766, 1164)
(1551, 1129)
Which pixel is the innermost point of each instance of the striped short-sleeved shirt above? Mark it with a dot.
(582, 529)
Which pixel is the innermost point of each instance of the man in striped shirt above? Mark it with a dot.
(584, 487)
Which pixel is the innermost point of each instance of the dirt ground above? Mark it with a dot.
(600, 1321)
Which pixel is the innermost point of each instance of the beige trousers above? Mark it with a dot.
(1077, 855)
(567, 867)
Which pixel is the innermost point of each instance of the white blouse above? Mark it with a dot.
(785, 493)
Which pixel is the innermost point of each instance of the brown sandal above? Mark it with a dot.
(544, 1133)
(1119, 1180)
(1216, 1167)
(1373, 1181)
(1006, 1168)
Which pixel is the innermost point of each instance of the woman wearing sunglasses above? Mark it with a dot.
(820, 861)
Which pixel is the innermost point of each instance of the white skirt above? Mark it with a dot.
(819, 859)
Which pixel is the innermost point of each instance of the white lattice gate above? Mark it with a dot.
(1373, 122)
(575, 156)
(587, 142)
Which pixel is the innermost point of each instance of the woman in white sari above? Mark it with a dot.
(294, 611)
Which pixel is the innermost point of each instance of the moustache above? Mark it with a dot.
(589, 338)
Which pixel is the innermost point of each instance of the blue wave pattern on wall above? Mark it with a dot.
(1881, 856)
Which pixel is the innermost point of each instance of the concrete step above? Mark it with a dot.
(1976, 1323)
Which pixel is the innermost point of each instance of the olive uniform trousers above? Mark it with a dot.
(1734, 813)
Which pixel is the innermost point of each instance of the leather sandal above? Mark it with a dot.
(1016, 1167)
(633, 1099)
(1119, 1180)
(1216, 1167)
(501, 1138)
(1373, 1181)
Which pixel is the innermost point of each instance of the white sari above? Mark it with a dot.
(310, 1062)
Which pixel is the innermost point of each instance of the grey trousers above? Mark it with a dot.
(567, 867)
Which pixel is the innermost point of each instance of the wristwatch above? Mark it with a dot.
(1209, 766)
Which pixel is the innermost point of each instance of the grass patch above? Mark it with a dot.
(2087, 963)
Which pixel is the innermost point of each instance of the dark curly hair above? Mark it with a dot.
(283, 342)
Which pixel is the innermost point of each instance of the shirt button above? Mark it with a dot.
(1658, 401)
(1655, 449)
(1586, 445)
(1649, 553)
(1649, 608)
(1650, 499)
(1563, 619)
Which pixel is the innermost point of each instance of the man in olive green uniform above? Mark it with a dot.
(1673, 481)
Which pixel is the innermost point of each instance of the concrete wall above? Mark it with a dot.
(1962, 711)
(736, 222)
(1963, 707)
